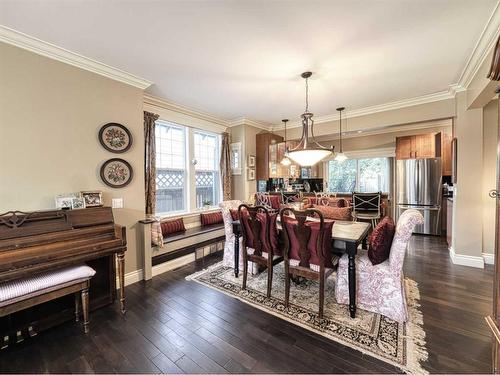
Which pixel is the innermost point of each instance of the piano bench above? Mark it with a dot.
(21, 294)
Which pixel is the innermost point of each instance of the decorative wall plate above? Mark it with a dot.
(115, 137)
(116, 173)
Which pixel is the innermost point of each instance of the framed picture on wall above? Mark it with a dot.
(251, 174)
(236, 158)
(251, 161)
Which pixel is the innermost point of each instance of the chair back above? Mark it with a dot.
(256, 226)
(404, 229)
(226, 207)
(366, 202)
(290, 198)
(307, 241)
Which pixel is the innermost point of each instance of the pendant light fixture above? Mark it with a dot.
(308, 152)
(340, 157)
(285, 161)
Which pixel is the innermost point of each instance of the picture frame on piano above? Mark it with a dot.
(64, 201)
(92, 198)
(77, 203)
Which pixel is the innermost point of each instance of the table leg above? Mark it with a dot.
(236, 254)
(351, 252)
(121, 279)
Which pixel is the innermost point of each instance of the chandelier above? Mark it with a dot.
(285, 161)
(308, 152)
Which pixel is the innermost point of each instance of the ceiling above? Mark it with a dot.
(244, 58)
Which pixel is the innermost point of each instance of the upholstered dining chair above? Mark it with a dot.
(380, 288)
(226, 208)
(367, 206)
(307, 250)
(260, 241)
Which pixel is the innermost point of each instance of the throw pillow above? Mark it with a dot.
(381, 241)
(210, 218)
(172, 226)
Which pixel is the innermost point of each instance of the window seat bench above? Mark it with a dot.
(190, 245)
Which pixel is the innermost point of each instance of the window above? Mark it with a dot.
(171, 173)
(187, 160)
(363, 175)
(206, 153)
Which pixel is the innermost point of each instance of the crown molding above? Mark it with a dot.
(256, 124)
(424, 99)
(32, 44)
(388, 129)
(484, 45)
(171, 106)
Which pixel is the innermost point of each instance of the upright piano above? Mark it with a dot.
(39, 241)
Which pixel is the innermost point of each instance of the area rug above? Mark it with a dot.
(401, 345)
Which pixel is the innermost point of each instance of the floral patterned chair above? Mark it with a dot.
(228, 259)
(380, 288)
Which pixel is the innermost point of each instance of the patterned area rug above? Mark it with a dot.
(402, 345)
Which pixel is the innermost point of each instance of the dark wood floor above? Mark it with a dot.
(175, 326)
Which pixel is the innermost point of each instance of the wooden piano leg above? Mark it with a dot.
(85, 307)
(121, 279)
(77, 307)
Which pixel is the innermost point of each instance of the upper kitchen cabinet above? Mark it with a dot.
(263, 163)
(416, 146)
(423, 146)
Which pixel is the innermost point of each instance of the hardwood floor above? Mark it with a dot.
(177, 326)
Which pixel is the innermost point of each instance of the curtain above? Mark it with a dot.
(225, 167)
(150, 160)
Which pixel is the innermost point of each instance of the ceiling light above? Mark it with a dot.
(308, 152)
(285, 161)
(340, 157)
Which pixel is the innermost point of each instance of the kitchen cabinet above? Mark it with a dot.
(428, 145)
(416, 146)
(446, 154)
(263, 162)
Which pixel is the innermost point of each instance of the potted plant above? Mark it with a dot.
(207, 204)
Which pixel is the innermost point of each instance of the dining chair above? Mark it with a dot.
(270, 202)
(380, 288)
(307, 250)
(260, 241)
(366, 206)
(290, 198)
(228, 257)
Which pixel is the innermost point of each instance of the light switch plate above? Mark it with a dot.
(117, 202)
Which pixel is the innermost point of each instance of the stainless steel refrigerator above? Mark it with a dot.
(418, 186)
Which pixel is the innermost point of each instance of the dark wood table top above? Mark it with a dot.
(347, 231)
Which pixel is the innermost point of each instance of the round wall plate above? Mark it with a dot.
(115, 137)
(116, 173)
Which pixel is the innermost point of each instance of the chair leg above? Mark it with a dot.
(269, 276)
(245, 274)
(321, 294)
(85, 306)
(77, 307)
(287, 286)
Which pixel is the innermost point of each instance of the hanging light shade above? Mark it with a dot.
(285, 161)
(308, 152)
(340, 157)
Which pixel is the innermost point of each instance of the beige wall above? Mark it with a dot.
(50, 114)
(467, 204)
(490, 134)
(246, 134)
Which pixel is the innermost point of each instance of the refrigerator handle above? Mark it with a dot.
(417, 167)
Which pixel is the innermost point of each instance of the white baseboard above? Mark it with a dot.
(466, 260)
(138, 275)
(489, 258)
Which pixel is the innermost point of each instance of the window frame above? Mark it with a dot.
(190, 170)
(357, 185)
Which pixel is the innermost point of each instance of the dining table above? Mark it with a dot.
(347, 236)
